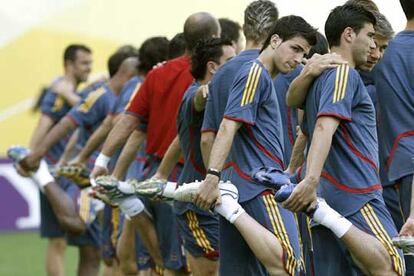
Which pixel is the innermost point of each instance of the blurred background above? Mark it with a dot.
(32, 39)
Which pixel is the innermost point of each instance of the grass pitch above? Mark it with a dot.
(23, 254)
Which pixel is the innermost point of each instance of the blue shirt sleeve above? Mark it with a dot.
(93, 109)
(248, 90)
(338, 93)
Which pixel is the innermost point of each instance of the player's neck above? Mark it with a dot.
(70, 78)
(266, 58)
(410, 25)
(252, 45)
(115, 85)
(345, 53)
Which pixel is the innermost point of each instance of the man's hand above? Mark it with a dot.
(200, 98)
(408, 228)
(319, 63)
(302, 196)
(98, 171)
(208, 193)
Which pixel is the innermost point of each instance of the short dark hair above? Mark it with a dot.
(71, 51)
(199, 26)
(341, 17)
(408, 8)
(367, 4)
(292, 26)
(259, 18)
(206, 50)
(127, 48)
(152, 51)
(177, 46)
(230, 30)
(115, 61)
(321, 47)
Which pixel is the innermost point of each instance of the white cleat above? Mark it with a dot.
(187, 191)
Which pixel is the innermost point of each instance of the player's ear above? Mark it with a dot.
(275, 41)
(212, 67)
(348, 34)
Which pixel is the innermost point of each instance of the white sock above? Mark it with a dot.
(125, 187)
(131, 206)
(42, 176)
(331, 219)
(229, 208)
(169, 189)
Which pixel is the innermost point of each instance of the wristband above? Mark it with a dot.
(214, 172)
(102, 160)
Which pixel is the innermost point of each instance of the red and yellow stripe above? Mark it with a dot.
(198, 233)
(341, 81)
(251, 84)
(279, 230)
(136, 89)
(378, 229)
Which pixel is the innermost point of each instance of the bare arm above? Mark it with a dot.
(31, 162)
(70, 148)
(208, 192)
(97, 138)
(206, 143)
(170, 159)
(66, 89)
(128, 154)
(298, 155)
(41, 130)
(200, 98)
(315, 66)
(305, 192)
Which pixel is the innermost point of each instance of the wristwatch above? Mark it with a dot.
(214, 172)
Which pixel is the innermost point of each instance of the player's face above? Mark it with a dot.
(82, 66)
(363, 44)
(290, 53)
(376, 54)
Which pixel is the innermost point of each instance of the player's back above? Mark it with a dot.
(394, 80)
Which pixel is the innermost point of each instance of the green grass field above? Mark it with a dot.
(23, 254)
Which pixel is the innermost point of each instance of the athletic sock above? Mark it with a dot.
(229, 208)
(42, 176)
(331, 219)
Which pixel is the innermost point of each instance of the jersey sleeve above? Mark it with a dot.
(52, 104)
(338, 93)
(92, 110)
(245, 95)
(209, 122)
(139, 105)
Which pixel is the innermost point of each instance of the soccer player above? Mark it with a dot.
(157, 104)
(394, 86)
(59, 97)
(340, 123)
(250, 136)
(232, 31)
(259, 17)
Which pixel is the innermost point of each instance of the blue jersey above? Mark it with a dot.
(394, 80)
(91, 112)
(189, 130)
(259, 141)
(127, 94)
(350, 174)
(289, 115)
(219, 89)
(368, 79)
(55, 107)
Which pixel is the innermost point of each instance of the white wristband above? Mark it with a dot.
(131, 206)
(102, 160)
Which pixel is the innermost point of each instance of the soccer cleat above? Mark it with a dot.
(153, 188)
(107, 187)
(270, 177)
(17, 153)
(405, 243)
(284, 192)
(76, 173)
(187, 191)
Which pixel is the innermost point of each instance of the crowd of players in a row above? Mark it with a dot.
(209, 145)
